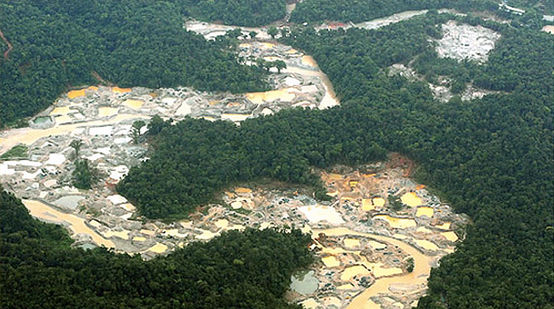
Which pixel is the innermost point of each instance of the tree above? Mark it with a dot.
(82, 175)
(252, 34)
(156, 125)
(262, 64)
(410, 264)
(235, 33)
(76, 145)
(395, 202)
(135, 130)
(280, 64)
(272, 31)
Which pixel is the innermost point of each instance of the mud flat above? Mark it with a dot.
(76, 224)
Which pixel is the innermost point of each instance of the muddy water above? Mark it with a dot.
(330, 97)
(422, 267)
(47, 213)
(28, 136)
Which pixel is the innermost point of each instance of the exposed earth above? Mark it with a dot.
(375, 241)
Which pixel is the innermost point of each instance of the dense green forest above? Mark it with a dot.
(60, 44)
(250, 269)
(364, 10)
(240, 13)
(491, 158)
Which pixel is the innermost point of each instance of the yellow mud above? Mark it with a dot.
(352, 271)
(63, 119)
(424, 211)
(379, 202)
(268, 45)
(62, 110)
(243, 190)
(121, 90)
(134, 104)
(397, 223)
(379, 270)
(451, 236)
(120, 234)
(351, 243)
(309, 303)
(76, 94)
(158, 248)
(426, 244)
(222, 223)
(367, 204)
(285, 95)
(106, 111)
(411, 199)
(330, 261)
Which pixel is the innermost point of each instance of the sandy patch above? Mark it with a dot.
(206, 235)
(120, 234)
(352, 271)
(425, 211)
(106, 111)
(158, 248)
(351, 243)
(62, 110)
(221, 224)
(367, 204)
(549, 29)
(379, 202)
(450, 236)
(309, 303)
(425, 244)
(411, 199)
(379, 270)
(330, 261)
(285, 95)
(397, 223)
(134, 104)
